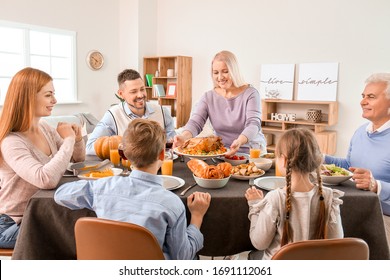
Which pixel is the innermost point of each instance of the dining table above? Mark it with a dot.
(47, 229)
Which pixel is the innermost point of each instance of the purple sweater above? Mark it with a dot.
(229, 117)
(24, 169)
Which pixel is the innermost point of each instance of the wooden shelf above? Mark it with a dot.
(272, 128)
(181, 105)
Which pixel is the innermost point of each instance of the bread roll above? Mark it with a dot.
(226, 168)
(212, 172)
(198, 167)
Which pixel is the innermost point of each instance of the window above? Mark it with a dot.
(47, 49)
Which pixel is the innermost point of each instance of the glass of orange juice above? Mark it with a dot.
(277, 170)
(255, 150)
(114, 153)
(167, 164)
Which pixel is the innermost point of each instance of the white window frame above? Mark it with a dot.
(72, 96)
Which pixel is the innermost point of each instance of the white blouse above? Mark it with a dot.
(267, 217)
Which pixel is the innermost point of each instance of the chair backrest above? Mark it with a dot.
(324, 249)
(6, 252)
(101, 239)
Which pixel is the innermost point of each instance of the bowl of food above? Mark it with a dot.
(211, 183)
(262, 163)
(334, 175)
(270, 156)
(236, 159)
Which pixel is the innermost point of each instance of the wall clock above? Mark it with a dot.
(95, 60)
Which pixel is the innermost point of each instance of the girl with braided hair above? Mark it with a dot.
(303, 209)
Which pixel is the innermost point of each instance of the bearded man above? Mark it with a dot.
(134, 105)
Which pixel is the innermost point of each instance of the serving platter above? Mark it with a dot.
(176, 151)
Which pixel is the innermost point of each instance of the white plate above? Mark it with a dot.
(78, 165)
(171, 182)
(116, 171)
(199, 156)
(175, 156)
(270, 183)
(240, 177)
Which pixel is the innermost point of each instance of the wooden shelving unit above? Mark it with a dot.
(326, 138)
(182, 77)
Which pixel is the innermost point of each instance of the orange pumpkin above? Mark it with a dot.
(102, 145)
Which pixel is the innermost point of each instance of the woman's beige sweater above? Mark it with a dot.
(24, 169)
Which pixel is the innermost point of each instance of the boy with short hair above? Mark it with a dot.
(141, 198)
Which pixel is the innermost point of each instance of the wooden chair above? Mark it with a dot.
(101, 239)
(324, 249)
(6, 252)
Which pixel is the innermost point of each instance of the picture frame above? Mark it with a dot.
(158, 90)
(318, 81)
(171, 90)
(277, 81)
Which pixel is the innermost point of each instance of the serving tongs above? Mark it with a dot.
(78, 168)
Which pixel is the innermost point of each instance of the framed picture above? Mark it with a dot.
(158, 90)
(171, 90)
(277, 81)
(318, 81)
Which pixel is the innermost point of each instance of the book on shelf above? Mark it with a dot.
(149, 80)
(158, 90)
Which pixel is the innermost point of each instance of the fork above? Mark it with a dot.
(251, 182)
(190, 187)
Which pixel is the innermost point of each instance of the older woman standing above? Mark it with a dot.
(232, 106)
(33, 155)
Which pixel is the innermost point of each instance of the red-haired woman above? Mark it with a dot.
(33, 155)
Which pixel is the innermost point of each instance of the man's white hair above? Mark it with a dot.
(380, 78)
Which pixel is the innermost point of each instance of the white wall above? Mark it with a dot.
(96, 24)
(353, 33)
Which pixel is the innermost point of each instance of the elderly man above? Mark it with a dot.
(369, 153)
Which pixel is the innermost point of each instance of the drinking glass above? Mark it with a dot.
(169, 143)
(255, 150)
(167, 164)
(277, 171)
(114, 154)
(124, 161)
